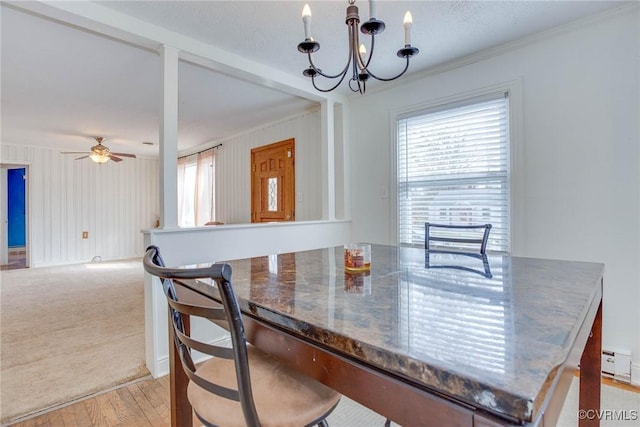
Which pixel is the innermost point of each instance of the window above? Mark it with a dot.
(196, 189)
(454, 168)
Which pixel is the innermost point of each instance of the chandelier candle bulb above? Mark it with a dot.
(408, 20)
(372, 9)
(363, 51)
(306, 19)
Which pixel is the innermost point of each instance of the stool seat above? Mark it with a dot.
(282, 396)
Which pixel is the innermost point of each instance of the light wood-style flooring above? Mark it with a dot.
(141, 403)
(17, 259)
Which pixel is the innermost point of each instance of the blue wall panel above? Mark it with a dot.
(16, 207)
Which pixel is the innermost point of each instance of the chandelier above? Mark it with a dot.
(358, 60)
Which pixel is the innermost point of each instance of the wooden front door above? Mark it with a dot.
(273, 182)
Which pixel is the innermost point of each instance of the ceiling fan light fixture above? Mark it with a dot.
(99, 158)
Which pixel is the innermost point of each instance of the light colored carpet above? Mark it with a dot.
(69, 331)
(620, 408)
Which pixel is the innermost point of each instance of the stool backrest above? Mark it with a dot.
(228, 311)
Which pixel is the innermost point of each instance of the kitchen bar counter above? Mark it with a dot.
(498, 336)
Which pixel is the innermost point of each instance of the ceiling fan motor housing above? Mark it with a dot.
(100, 149)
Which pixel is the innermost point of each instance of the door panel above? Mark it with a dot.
(273, 182)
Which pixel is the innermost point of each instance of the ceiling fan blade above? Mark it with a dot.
(114, 158)
(83, 157)
(73, 152)
(125, 155)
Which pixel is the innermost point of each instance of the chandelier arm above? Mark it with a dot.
(382, 79)
(362, 86)
(357, 89)
(328, 76)
(341, 74)
(313, 81)
(355, 46)
(354, 64)
(353, 51)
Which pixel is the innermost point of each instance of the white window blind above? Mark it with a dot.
(453, 168)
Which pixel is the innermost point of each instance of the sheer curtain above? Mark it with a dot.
(182, 214)
(196, 189)
(204, 188)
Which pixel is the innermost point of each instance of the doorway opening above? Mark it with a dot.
(14, 249)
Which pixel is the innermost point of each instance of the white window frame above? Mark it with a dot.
(516, 210)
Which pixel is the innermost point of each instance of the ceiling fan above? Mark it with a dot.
(100, 153)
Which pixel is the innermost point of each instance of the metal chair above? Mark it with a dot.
(239, 385)
(451, 237)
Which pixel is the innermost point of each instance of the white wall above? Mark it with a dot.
(113, 202)
(233, 172)
(577, 153)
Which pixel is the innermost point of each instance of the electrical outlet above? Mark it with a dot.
(85, 234)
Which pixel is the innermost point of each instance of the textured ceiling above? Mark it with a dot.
(269, 31)
(61, 85)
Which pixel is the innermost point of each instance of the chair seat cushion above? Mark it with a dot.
(283, 397)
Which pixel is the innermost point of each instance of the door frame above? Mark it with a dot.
(286, 142)
(5, 166)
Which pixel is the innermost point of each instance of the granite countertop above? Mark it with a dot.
(489, 336)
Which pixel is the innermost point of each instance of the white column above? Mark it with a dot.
(169, 139)
(328, 160)
(344, 154)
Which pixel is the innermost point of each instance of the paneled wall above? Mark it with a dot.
(233, 173)
(113, 202)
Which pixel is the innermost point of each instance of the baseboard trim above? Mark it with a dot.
(160, 367)
(635, 374)
(614, 383)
